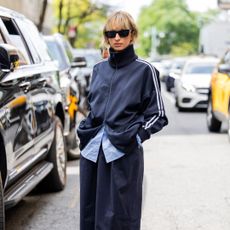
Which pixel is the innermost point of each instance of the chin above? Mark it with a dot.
(118, 48)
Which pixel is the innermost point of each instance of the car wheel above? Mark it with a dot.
(73, 145)
(213, 124)
(56, 179)
(2, 206)
(168, 88)
(176, 102)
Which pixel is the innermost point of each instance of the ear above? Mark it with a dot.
(131, 39)
(107, 41)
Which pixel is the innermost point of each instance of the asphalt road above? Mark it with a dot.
(187, 175)
(186, 182)
(53, 211)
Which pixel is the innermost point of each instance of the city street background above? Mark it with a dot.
(186, 182)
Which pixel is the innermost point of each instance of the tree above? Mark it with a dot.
(73, 14)
(42, 15)
(175, 24)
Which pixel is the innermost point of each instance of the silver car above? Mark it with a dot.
(191, 89)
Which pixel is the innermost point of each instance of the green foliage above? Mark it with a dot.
(183, 49)
(89, 35)
(82, 14)
(177, 27)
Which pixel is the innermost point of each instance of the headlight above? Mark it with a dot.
(188, 87)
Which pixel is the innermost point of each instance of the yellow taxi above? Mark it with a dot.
(218, 111)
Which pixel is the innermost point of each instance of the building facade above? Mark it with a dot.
(32, 9)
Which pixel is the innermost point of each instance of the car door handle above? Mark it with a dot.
(25, 86)
(42, 81)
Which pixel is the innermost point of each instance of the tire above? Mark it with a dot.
(213, 124)
(176, 102)
(168, 88)
(56, 179)
(73, 145)
(2, 206)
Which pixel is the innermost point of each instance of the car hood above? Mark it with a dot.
(197, 80)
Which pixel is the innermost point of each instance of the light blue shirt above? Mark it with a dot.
(91, 151)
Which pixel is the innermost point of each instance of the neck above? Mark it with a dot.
(122, 58)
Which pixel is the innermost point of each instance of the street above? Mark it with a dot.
(54, 211)
(186, 182)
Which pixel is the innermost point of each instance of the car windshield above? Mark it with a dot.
(92, 59)
(56, 54)
(177, 65)
(92, 56)
(206, 68)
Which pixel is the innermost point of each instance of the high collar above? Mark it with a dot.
(123, 58)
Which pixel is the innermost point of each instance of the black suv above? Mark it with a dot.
(33, 113)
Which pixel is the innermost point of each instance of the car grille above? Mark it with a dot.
(202, 104)
(202, 90)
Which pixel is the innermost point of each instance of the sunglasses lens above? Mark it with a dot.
(110, 34)
(121, 33)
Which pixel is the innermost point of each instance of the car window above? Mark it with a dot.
(227, 58)
(68, 49)
(17, 41)
(1, 39)
(200, 69)
(92, 59)
(33, 37)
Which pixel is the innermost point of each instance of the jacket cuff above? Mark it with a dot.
(143, 134)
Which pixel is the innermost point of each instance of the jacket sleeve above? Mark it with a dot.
(152, 105)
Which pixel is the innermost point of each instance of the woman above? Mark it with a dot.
(125, 109)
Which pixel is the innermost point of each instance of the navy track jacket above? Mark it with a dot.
(125, 98)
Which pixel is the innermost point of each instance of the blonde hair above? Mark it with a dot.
(123, 20)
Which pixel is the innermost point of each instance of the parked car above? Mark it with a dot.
(86, 59)
(159, 66)
(32, 113)
(166, 67)
(60, 50)
(191, 89)
(218, 111)
(174, 72)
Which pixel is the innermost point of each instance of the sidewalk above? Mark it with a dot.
(187, 183)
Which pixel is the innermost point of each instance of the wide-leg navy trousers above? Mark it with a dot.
(111, 193)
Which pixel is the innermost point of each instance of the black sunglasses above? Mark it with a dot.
(121, 33)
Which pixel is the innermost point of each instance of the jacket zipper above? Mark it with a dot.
(110, 88)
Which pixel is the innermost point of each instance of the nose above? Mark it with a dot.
(117, 37)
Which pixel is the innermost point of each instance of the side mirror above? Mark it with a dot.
(224, 68)
(9, 58)
(79, 62)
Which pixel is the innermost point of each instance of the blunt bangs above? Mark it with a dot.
(120, 20)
